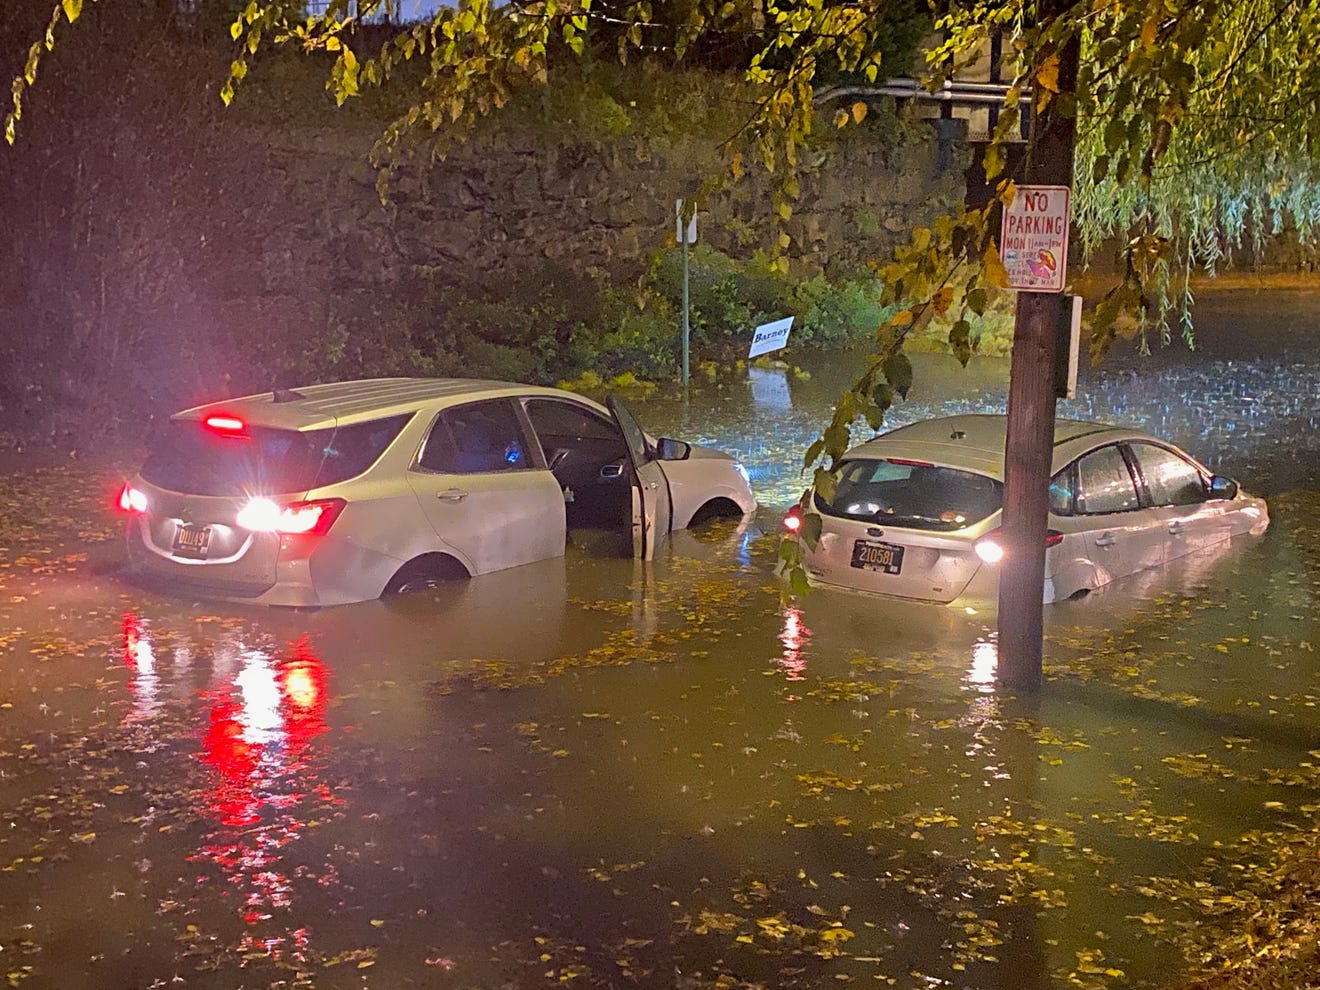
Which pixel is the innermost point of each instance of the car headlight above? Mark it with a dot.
(742, 473)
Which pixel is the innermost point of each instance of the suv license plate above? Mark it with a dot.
(192, 541)
(872, 556)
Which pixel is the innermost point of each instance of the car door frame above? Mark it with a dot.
(1189, 526)
(1126, 529)
(543, 527)
(652, 503)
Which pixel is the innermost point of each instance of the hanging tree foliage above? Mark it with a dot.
(1196, 125)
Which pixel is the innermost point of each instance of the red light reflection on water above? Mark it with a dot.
(795, 635)
(259, 741)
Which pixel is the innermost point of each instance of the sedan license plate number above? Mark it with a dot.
(871, 556)
(192, 541)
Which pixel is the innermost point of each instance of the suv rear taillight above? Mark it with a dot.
(991, 548)
(133, 501)
(310, 518)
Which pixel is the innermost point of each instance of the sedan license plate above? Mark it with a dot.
(192, 541)
(872, 556)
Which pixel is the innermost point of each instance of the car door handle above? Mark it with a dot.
(451, 495)
(614, 470)
(1104, 540)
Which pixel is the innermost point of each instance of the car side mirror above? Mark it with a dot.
(673, 450)
(1223, 488)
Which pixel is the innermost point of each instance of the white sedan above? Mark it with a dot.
(343, 492)
(916, 511)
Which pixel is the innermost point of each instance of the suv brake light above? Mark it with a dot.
(310, 518)
(133, 501)
(225, 425)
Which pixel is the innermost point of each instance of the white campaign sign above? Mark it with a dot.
(770, 337)
(1033, 238)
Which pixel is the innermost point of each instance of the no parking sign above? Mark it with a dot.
(1033, 238)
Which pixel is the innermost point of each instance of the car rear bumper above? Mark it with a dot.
(335, 572)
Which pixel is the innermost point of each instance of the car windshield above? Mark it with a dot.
(913, 495)
(193, 459)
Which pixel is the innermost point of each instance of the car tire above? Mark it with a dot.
(425, 573)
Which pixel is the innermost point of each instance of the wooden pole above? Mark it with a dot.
(1030, 442)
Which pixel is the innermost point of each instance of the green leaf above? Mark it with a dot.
(1115, 134)
(813, 453)
(811, 524)
(797, 581)
(898, 372)
(976, 301)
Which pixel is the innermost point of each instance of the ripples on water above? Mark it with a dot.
(1256, 419)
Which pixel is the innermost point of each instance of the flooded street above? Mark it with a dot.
(598, 773)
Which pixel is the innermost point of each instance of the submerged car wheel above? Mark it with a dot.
(716, 508)
(424, 573)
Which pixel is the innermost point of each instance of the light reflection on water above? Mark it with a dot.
(556, 768)
(1246, 402)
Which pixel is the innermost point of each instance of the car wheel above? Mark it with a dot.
(425, 573)
(717, 508)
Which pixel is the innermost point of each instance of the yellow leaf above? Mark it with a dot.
(942, 300)
(995, 272)
(858, 112)
(72, 8)
(332, 44)
(376, 922)
(1149, 32)
(1048, 74)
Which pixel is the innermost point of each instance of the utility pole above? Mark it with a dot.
(1031, 398)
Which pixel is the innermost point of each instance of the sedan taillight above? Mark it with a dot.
(991, 548)
(793, 519)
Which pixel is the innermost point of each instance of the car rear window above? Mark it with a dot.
(193, 459)
(916, 496)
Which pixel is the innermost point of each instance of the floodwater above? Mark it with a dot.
(597, 773)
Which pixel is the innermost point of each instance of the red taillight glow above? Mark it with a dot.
(312, 518)
(793, 520)
(991, 549)
(132, 500)
(228, 426)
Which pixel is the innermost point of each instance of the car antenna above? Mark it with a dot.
(957, 435)
(286, 395)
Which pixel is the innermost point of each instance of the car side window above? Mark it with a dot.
(1062, 488)
(476, 438)
(1105, 483)
(552, 418)
(1170, 479)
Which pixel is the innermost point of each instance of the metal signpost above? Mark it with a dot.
(687, 234)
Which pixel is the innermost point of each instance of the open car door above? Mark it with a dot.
(651, 509)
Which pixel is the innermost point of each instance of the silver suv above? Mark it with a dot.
(338, 493)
